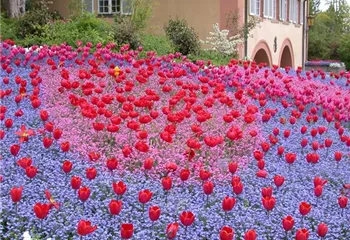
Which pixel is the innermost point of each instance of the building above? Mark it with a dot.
(279, 39)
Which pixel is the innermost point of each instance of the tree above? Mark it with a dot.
(15, 8)
(315, 7)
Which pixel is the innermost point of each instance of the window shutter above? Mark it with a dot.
(126, 7)
(89, 5)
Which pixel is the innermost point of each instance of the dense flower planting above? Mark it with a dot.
(107, 145)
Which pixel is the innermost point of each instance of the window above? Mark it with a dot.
(270, 9)
(114, 6)
(283, 10)
(302, 16)
(89, 5)
(293, 11)
(255, 7)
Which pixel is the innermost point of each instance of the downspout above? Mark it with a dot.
(303, 37)
(245, 28)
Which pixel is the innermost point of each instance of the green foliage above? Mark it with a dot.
(344, 50)
(127, 29)
(125, 32)
(213, 56)
(158, 44)
(86, 28)
(37, 15)
(183, 37)
(76, 8)
(142, 12)
(9, 28)
(328, 36)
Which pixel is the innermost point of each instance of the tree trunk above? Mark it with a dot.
(15, 8)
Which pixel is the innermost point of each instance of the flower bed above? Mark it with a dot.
(110, 146)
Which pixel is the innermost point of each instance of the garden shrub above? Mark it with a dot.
(183, 37)
(86, 28)
(344, 50)
(214, 57)
(158, 44)
(9, 28)
(35, 18)
(125, 32)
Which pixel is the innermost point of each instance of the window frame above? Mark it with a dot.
(270, 9)
(257, 7)
(110, 7)
(293, 11)
(283, 10)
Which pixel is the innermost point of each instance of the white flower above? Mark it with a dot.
(221, 42)
(26, 236)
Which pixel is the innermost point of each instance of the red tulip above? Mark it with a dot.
(16, 194)
(266, 192)
(142, 146)
(304, 208)
(171, 230)
(8, 123)
(187, 218)
(47, 142)
(204, 175)
(49, 126)
(318, 190)
(24, 162)
(171, 167)
(145, 196)
(250, 235)
(75, 182)
(31, 171)
(232, 167)
(319, 181)
(57, 133)
(237, 188)
(258, 155)
(184, 174)
(208, 187)
(154, 213)
(65, 146)
(112, 164)
(84, 193)
(261, 173)
(226, 233)
(126, 230)
(290, 157)
(67, 166)
(328, 142)
(269, 203)
(322, 230)
(91, 173)
(119, 188)
(41, 210)
(148, 163)
(14, 149)
(278, 180)
(302, 234)
(167, 183)
(337, 156)
(261, 164)
(115, 207)
(288, 223)
(44, 115)
(342, 201)
(228, 203)
(84, 228)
